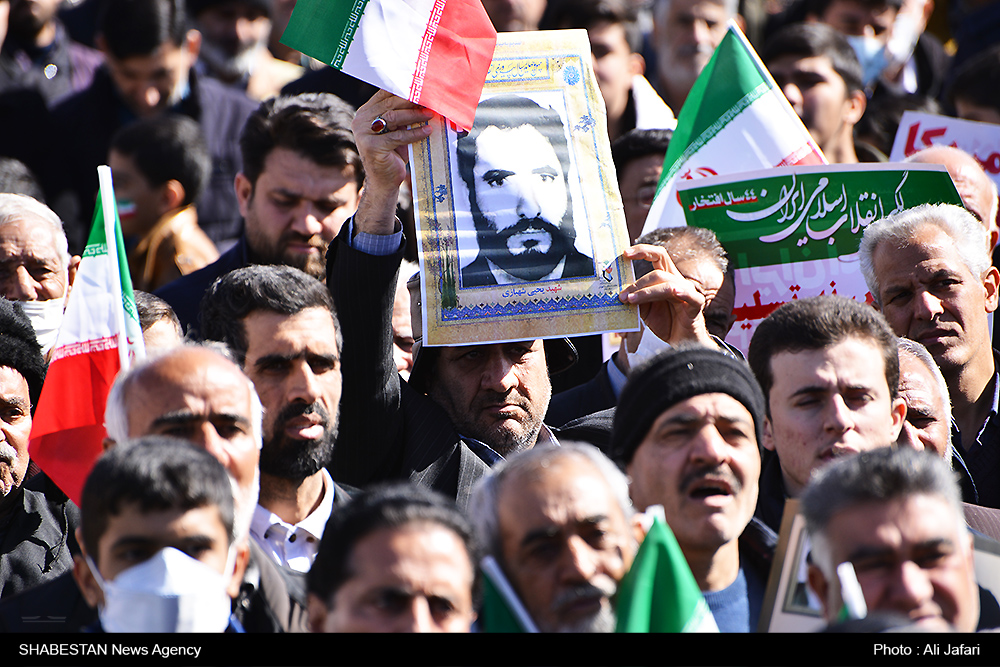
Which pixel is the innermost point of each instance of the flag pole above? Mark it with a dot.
(110, 215)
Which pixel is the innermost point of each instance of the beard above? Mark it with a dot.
(529, 250)
(293, 458)
(226, 64)
(265, 251)
(603, 620)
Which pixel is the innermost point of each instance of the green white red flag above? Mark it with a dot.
(100, 335)
(659, 593)
(735, 119)
(432, 52)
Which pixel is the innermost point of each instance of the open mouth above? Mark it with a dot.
(710, 488)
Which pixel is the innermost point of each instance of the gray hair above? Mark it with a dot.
(687, 243)
(880, 475)
(967, 233)
(920, 352)
(15, 207)
(116, 410)
(484, 506)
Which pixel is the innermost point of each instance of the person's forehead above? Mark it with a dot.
(163, 526)
(898, 524)
(13, 386)
(851, 359)
(166, 54)
(703, 271)
(311, 329)
(28, 235)
(916, 378)
(930, 242)
(194, 380)
(496, 142)
(715, 405)
(851, 10)
(608, 33)
(557, 496)
(686, 9)
(422, 553)
(791, 64)
(293, 173)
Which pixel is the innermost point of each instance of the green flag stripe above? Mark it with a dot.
(324, 29)
(722, 84)
(720, 122)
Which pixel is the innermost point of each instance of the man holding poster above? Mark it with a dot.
(483, 402)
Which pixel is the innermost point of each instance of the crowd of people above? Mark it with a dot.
(289, 457)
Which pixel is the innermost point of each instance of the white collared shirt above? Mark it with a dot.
(294, 547)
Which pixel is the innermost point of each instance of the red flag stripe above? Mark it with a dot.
(68, 425)
(460, 55)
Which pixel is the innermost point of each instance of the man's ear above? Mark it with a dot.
(74, 265)
(857, 102)
(819, 584)
(242, 559)
(244, 193)
(317, 613)
(898, 415)
(107, 444)
(84, 578)
(991, 282)
(171, 197)
(768, 435)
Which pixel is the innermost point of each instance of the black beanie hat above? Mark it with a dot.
(19, 348)
(671, 377)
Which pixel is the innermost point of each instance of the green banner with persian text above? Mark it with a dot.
(795, 214)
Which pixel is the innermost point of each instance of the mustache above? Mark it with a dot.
(722, 472)
(526, 225)
(295, 410)
(603, 587)
(7, 453)
(316, 241)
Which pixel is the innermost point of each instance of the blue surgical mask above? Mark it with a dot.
(170, 592)
(871, 53)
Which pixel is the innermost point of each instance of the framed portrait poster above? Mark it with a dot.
(520, 222)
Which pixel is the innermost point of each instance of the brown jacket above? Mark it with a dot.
(174, 247)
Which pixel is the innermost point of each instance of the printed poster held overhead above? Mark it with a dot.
(520, 223)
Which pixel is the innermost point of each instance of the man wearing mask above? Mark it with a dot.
(171, 503)
(35, 265)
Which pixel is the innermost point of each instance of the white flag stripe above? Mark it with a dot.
(396, 59)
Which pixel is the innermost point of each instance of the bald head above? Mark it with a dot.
(195, 393)
(976, 188)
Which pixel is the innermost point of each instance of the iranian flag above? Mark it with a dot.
(432, 52)
(100, 334)
(735, 119)
(659, 593)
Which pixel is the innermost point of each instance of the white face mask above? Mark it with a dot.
(871, 53)
(170, 592)
(46, 317)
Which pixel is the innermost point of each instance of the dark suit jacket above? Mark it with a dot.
(388, 430)
(478, 274)
(584, 399)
